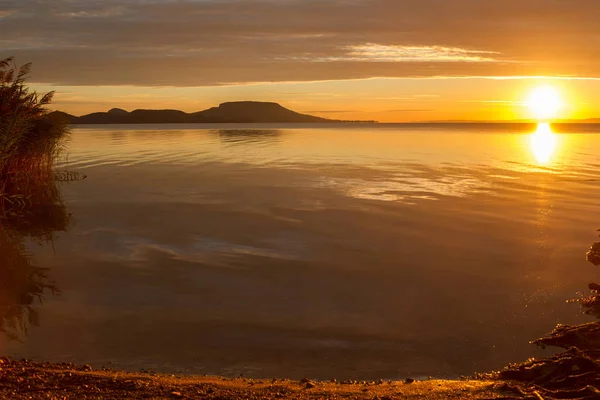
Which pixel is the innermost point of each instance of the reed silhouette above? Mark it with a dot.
(31, 206)
(31, 137)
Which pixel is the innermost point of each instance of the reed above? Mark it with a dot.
(31, 207)
(31, 138)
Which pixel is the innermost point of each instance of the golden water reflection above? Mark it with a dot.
(543, 143)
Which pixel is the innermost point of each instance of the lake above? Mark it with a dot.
(363, 251)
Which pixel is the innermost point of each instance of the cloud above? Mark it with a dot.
(212, 42)
(381, 53)
(410, 110)
(331, 111)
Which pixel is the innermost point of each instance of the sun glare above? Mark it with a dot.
(543, 143)
(544, 102)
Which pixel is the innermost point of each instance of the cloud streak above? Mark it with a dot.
(381, 53)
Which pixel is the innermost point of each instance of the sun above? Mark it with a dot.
(544, 102)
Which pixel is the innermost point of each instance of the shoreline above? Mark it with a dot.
(24, 379)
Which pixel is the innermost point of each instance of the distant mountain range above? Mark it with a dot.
(232, 112)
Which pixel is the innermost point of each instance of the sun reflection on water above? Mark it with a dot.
(543, 143)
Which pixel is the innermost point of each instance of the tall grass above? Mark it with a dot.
(31, 206)
(31, 138)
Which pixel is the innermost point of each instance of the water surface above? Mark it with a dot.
(365, 252)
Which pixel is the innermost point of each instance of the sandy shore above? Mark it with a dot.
(33, 380)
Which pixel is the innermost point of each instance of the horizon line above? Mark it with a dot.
(595, 120)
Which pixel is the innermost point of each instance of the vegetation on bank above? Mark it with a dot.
(30, 138)
(573, 373)
(30, 203)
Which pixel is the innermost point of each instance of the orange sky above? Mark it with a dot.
(389, 60)
(384, 99)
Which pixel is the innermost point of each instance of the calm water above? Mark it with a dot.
(366, 252)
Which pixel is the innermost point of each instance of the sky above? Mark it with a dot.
(388, 60)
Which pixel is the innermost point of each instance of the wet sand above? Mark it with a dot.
(41, 380)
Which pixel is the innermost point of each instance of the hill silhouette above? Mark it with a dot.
(252, 111)
(232, 112)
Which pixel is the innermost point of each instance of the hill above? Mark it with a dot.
(232, 112)
(252, 111)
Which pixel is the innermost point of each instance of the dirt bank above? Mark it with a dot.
(33, 380)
